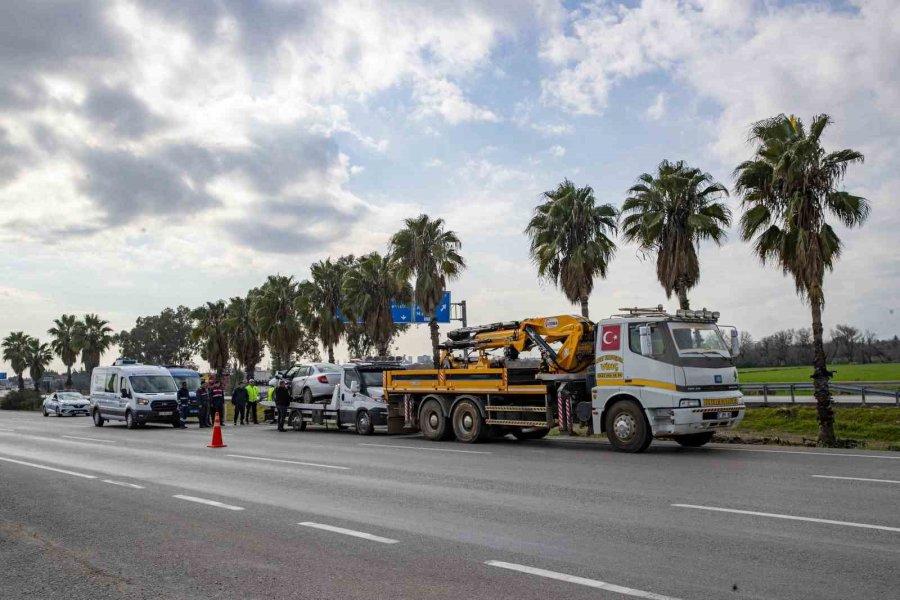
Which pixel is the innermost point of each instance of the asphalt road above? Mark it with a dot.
(335, 515)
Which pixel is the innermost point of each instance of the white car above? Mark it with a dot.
(310, 381)
(66, 403)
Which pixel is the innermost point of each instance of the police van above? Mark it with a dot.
(134, 393)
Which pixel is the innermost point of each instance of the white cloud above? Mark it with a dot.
(557, 151)
(444, 98)
(549, 129)
(656, 110)
(433, 163)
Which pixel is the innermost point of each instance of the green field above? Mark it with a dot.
(870, 372)
(876, 427)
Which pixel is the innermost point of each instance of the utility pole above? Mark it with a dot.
(463, 317)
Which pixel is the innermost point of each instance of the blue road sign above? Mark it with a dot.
(2, 375)
(404, 313)
(401, 313)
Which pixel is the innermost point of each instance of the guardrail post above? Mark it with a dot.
(765, 394)
(793, 400)
(897, 397)
(862, 391)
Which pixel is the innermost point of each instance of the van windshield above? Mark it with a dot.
(152, 384)
(697, 338)
(192, 381)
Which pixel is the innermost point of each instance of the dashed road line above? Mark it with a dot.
(426, 449)
(350, 532)
(593, 583)
(87, 439)
(46, 468)
(789, 517)
(807, 452)
(8, 430)
(208, 502)
(857, 479)
(133, 486)
(290, 462)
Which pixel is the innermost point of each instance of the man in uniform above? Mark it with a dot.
(252, 398)
(239, 398)
(203, 404)
(217, 397)
(184, 403)
(282, 402)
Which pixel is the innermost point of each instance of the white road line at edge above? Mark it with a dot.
(36, 466)
(133, 486)
(74, 437)
(209, 502)
(806, 452)
(421, 448)
(857, 479)
(790, 517)
(290, 462)
(350, 532)
(602, 585)
(8, 430)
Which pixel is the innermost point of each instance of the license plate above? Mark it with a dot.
(724, 415)
(165, 413)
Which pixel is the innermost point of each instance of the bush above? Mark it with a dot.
(26, 400)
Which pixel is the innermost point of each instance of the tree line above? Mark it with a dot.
(794, 347)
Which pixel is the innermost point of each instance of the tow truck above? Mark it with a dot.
(635, 376)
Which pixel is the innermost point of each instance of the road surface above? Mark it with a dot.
(105, 512)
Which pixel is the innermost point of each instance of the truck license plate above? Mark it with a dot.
(724, 415)
(167, 413)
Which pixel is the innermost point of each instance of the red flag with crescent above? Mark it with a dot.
(609, 337)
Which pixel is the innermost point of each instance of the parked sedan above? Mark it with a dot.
(311, 381)
(66, 403)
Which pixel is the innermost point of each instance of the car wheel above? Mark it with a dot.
(58, 414)
(694, 440)
(98, 420)
(627, 428)
(307, 396)
(432, 422)
(364, 423)
(535, 433)
(130, 423)
(468, 425)
(44, 410)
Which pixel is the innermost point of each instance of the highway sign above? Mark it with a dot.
(405, 313)
(2, 375)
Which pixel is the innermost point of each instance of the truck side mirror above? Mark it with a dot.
(646, 343)
(354, 387)
(735, 343)
(124, 393)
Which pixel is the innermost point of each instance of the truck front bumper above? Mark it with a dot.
(685, 421)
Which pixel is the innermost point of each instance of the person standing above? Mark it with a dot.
(217, 398)
(184, 403)
(203, 404)
(252, 398)
(282, 402)
(239, 398)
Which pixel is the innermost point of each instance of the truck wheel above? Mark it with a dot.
(694, 440)
(129, 420)
(627, 428)
(297, 421)
(98, 420)
(364, 423)
(307, 396)
(432, 422)
(530, 434)
(468, 425)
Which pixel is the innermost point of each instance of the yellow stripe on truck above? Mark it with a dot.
(637, 382)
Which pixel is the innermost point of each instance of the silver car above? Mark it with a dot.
(66, 403)
(311, 382)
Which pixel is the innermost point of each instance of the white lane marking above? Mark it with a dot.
(421, 448)
(602, 585)
(124, 484)
(350, 532)
(857, 479)
(790, 517)
(36, 466)
(290, 462)
(87, 439)
(807, 452)
(9, 430)
(209, 502)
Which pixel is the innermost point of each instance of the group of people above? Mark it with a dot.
(211, 402)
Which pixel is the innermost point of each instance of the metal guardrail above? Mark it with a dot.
(867, 394)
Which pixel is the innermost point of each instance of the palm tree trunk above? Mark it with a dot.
(250, 372)
(331, 354)
(584, 307)
(820, 378)
(20, 374)
(683, 302)
(435, 340)
(37, 384)
(382, 348)
(68, 377)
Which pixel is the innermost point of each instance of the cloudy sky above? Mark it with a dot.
(161, 152)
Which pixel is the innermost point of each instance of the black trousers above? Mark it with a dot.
(203, 414)
(240, 411)
(251, 413)
(218, 407)
(282, 415)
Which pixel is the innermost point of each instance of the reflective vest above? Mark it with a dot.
(253, 393)
(271, 395)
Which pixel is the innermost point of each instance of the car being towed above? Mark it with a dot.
(66, 403)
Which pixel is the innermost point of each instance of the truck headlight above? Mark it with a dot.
(143, 401)
(689, 403)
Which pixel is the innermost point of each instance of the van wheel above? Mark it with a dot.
(98, 420)
(694, 440)
(432, 422)
(307, 396)
(468, 425)
(129, 420)
(364, 423)
(627, 428)
(535, 433)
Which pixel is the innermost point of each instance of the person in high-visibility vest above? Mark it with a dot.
(252, 397)
(270, 412)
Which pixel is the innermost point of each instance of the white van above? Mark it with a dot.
(136, 394)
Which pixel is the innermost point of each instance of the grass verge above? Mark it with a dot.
(843, 373)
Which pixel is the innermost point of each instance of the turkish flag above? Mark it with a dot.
(609, 337)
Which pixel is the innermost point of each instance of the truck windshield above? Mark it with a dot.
(372, 378)
(193, 381)
(697, 338)
(152, 384)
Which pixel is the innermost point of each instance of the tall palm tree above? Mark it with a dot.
(320, 301)
(15, 353)
(369, 287)
(670, 214)
(243, 333)
(569, 240)
(63, 343)
(212, 334)
(427, 251)
(93, 336)
(788, 189)
(276, 315)
(38, 356)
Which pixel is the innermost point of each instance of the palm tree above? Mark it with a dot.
(569, 241)
(669, 215)
(320, 301)
(212, 333)
(788, 188)
(243, 333)
(276, 315)
(15, 353)
(38, 356)
(425, 250)
(63, 343)
(94, 337)
(369, 287)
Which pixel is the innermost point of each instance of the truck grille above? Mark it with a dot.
(164, 405)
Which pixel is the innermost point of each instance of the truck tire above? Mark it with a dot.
(98, 420)
(130, 423)
(432, 422)
(297, 422)
(627, 428)
(694, 440)
(468, 424)
(535, 433)
(364, 423)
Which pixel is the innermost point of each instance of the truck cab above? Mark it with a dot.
(359, 396)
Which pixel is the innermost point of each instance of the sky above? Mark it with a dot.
(160, 152)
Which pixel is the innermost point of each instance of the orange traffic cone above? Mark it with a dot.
(217, 435)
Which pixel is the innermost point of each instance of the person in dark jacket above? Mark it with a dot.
(282, 402)
(217, 399)
(203, 404)
(184, 403)
(239, 398)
